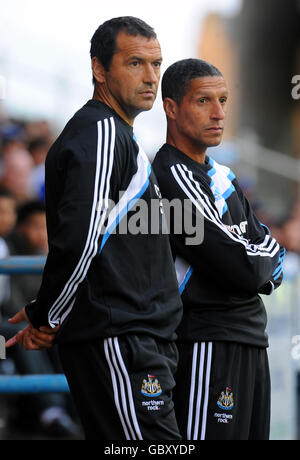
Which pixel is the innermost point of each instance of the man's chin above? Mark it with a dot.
(144, 107)
(148, 104)
(214, 142)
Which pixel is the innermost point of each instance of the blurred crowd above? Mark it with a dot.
(286, 228)
(23, 149)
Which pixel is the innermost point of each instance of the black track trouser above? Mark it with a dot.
(122, 387)
(222, 392)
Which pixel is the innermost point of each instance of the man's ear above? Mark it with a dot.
(171, 108)
(98, 70)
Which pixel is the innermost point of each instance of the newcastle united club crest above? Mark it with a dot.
(225, 400)
(151, 387)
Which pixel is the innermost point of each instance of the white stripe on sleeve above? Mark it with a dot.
(104, 164)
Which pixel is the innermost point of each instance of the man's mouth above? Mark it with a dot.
(148, 92)
(216, 129)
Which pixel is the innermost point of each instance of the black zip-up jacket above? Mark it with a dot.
(220, 278)
(99, 280)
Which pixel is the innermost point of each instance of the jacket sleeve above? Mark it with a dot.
(80, 212)
(257, 232)
(231, 259)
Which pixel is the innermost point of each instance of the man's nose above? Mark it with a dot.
(151, 76)
(218, 111)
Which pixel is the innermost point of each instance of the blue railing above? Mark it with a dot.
(26, 384)
(19, 265)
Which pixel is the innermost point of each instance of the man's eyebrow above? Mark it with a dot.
(136, 58)
(208, 92)
(140, 58)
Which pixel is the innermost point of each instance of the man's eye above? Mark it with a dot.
(135, 63)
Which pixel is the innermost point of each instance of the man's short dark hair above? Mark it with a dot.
(103, 43)
(177, 77)
(29, 208)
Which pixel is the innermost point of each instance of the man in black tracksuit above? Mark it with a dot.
(222, 384)
(109, 292)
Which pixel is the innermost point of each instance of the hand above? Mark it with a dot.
(277, 276)
(31, 338)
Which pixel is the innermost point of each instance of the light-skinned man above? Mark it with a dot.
(111, 297)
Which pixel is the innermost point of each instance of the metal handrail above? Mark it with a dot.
(19, 265)
(29, 384)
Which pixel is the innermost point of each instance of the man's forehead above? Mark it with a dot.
(131, 45)
(208, 84)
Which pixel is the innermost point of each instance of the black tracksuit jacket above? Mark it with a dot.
(99, 281)
(221, 278)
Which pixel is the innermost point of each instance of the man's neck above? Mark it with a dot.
(196, 153)
(110, 102)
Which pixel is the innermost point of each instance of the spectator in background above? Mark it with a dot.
(38, 129)
(28, 238)
(38, 149)
(12, 135)
(7, 222)
(290, 231)
(4, 281)
(7, 211)
(17, 165)
(49, 411)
